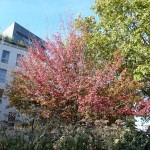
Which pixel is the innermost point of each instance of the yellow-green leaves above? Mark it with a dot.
(119, 24)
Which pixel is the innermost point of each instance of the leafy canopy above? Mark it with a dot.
(57, 83)
(122, 24)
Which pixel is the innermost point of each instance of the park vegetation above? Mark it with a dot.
(84, 90)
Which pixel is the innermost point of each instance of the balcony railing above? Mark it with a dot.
(13, 44)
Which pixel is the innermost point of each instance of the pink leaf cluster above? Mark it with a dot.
(58, 77)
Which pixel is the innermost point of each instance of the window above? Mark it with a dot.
(11, 118)
(22, 35)
(2, 75)
(18, 59)
(5, 56)
(1, 94)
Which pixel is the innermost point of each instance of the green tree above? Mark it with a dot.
(119, 24)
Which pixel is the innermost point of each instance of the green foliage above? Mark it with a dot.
(1, 36)
(121, 25)
(57, 135)
(133, 140)
(18, 142)
(10, 40)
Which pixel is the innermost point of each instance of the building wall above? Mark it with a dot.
(11, 65)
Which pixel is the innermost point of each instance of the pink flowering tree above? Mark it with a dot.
(58, 81)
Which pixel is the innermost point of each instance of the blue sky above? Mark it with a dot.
(41, 16)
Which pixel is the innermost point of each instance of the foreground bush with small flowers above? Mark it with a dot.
(85, 135)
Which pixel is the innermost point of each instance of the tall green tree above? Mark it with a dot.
(119, 24)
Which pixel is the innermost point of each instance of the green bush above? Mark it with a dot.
(134, 140)
(84, 135)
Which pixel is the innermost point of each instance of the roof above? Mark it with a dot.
(20, 34)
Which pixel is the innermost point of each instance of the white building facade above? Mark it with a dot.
(10, 53)
(9, 58)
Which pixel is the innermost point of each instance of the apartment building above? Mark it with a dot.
(9, 61)
(10, 54)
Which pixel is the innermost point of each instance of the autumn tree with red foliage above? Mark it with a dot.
(58, 80)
